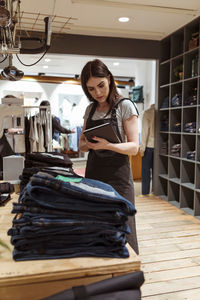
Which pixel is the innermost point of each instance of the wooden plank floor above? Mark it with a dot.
(169, 243)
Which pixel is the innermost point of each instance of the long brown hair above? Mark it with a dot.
(96, 68)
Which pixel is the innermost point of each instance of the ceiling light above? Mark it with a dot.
(47, 59)
(116, 63)
(123, 19)
(45, 67)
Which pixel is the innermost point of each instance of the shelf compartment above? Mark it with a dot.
(197, 179)
(164, 121)
(187, 174)
(175, 120)
(177, 69)
(198, 149)
(197, 204)
(174, 169)
(187, 199)
(174, 192)
(188, 147)
(163, 163)
(164, 77)
(177, 44)
(165, 49)
(190, 92)
(164, 144)
(191, 64)
(163, 187)
(189, 119)
(176, 90)
(175, 145)
(164, 97)
(198, 118)
(191, 30)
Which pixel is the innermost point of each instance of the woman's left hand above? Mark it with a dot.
(100, 145)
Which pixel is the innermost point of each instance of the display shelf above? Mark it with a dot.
(190, 30)
(188, 146)
(165, 74)
(191, 64)
(177, 175)
(197, 203)
(174, 169)
(187, 198)
(187, 172)
(197, 179)
(174, 192)
(165, 49)
(163, 186)
(177, 43)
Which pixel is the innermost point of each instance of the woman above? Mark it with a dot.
(106, 161)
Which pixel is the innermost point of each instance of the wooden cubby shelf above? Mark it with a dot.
(177, 145)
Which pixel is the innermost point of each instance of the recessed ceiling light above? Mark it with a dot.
(123, 19)
(47, 59)
(116, 63)
(45, 67)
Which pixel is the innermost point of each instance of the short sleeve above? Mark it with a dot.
(128, 109)
(87, 111)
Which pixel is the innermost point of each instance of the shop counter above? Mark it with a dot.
(37, 279)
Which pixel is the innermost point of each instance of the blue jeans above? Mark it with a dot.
(147, 168)
(95, 193)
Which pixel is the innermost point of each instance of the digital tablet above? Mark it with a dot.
(105, 131)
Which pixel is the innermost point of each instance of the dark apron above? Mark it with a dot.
(112, 168)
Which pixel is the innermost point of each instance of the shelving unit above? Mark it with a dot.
(177, 143)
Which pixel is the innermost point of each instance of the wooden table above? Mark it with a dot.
(32, 280)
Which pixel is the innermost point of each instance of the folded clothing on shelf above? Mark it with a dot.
(191, 155)
(190, 100)
(176, 149)
(176, 100)
(164, 148)
(190, 127)
(176, 127)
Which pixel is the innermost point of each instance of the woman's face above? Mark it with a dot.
(99, 89)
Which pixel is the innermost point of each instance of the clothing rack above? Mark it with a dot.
(15, 115)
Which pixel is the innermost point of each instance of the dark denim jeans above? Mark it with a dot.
(147, 169)
(93, 192)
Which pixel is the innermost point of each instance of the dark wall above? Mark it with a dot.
(105, 46)
(98, 46)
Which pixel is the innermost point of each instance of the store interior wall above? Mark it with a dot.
(34, 92)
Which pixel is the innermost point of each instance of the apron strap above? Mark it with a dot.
(116, 105)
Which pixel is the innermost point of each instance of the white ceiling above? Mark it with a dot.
(149, 19)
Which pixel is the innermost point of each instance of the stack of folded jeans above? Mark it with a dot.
(6, 188)
(62, 215)
(43, 159)
(164, 148)
(176, 149)
(191, 155)
(190, 127)
(34, 162)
